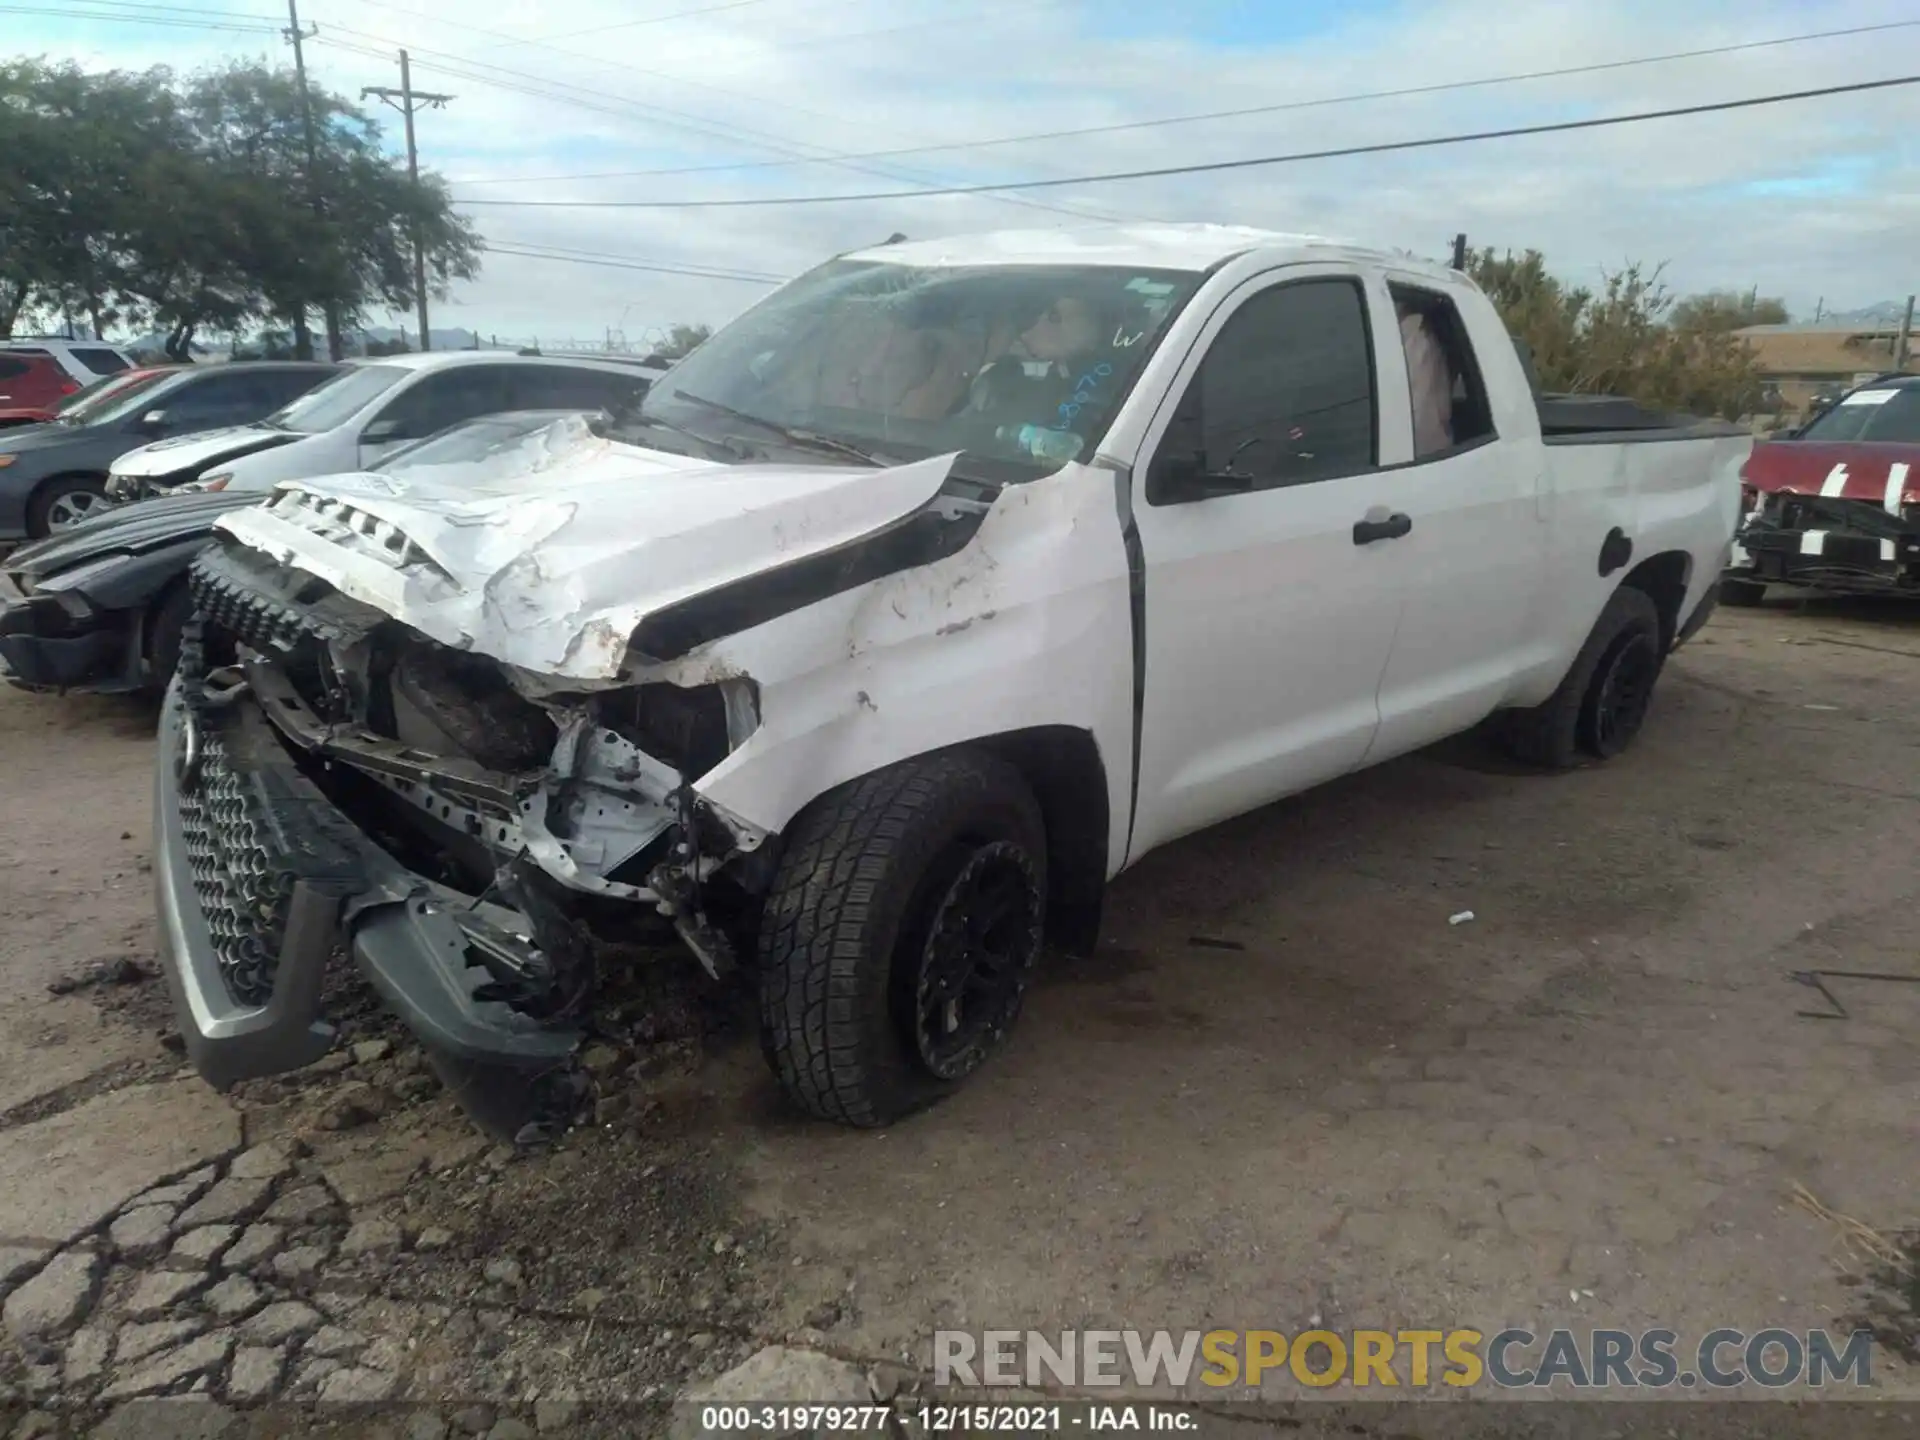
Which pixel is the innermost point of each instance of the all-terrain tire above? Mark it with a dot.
(1572, 723)
(868, 890)
(1742, 594)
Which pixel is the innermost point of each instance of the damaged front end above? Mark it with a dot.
(333, 782)
(1831, 542)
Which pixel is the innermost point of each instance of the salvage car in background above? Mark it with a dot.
(32, 384)
(54, 476)
(77, 404)
(914, 605)
(1836, 506)
(81, 361)
(102, 606)
(371, 409)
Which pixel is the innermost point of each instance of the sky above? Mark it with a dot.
(1816, 201)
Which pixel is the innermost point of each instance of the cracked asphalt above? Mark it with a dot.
(1286, 1093)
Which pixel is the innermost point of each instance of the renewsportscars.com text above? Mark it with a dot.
(1655, 1359)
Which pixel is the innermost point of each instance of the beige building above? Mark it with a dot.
(1801, 362)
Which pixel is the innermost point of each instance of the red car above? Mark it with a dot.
(1837, 505)
(75, 404)
(33, 383)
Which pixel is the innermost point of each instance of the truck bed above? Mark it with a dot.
(1615, 420)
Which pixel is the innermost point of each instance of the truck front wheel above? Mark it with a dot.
(900, 935)
(1600, 705)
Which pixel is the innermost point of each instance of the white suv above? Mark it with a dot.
(84, 360)
(370, 409)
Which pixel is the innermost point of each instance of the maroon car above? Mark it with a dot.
(1837, 505)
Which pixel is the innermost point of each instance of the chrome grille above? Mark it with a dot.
(242, 889)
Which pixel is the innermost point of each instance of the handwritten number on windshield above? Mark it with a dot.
(1083, 391)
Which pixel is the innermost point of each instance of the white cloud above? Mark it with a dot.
(775, 75)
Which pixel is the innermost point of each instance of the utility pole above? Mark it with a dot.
(1906, 335)
(406, 100)
(303, 338)
(1460, 252)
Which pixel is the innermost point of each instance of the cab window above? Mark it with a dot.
(1285, 396)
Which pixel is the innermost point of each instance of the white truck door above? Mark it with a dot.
(1470, 563)
(1268, 624)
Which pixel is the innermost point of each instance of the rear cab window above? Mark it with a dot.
(1451, 409)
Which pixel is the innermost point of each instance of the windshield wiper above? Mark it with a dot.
(623, 426)
(801, 439)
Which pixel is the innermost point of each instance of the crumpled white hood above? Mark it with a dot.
(200, 448)
(548, 555)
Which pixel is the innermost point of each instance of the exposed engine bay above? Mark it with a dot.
(546, 802)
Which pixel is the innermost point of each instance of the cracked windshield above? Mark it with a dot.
(1025, 366)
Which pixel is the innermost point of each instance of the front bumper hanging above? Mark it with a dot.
(261, 881)
(45, 647)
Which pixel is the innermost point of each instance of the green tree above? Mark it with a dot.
(136, 198)
(1627, 337)
(356, 254)
(683, 338)
(1728, 310)
(83, 156)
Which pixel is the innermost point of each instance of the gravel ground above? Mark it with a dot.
(1287, 1092)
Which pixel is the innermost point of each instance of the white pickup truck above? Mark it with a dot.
(897, 620)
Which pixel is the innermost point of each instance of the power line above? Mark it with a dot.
(635, 24)
(408, 101)
(1214, 166)
(614, 264)
(573, 251)
(1405, 92)
(839, 37)
(543, 87)
(66, 12)
(198, 12)
(546, 88)
(759, 138)
(843, 37)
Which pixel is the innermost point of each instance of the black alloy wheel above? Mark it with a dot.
(982, 937)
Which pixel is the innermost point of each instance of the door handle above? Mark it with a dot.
(1379, 525)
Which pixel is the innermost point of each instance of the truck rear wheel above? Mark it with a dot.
(900, 935)
(1600, 705)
